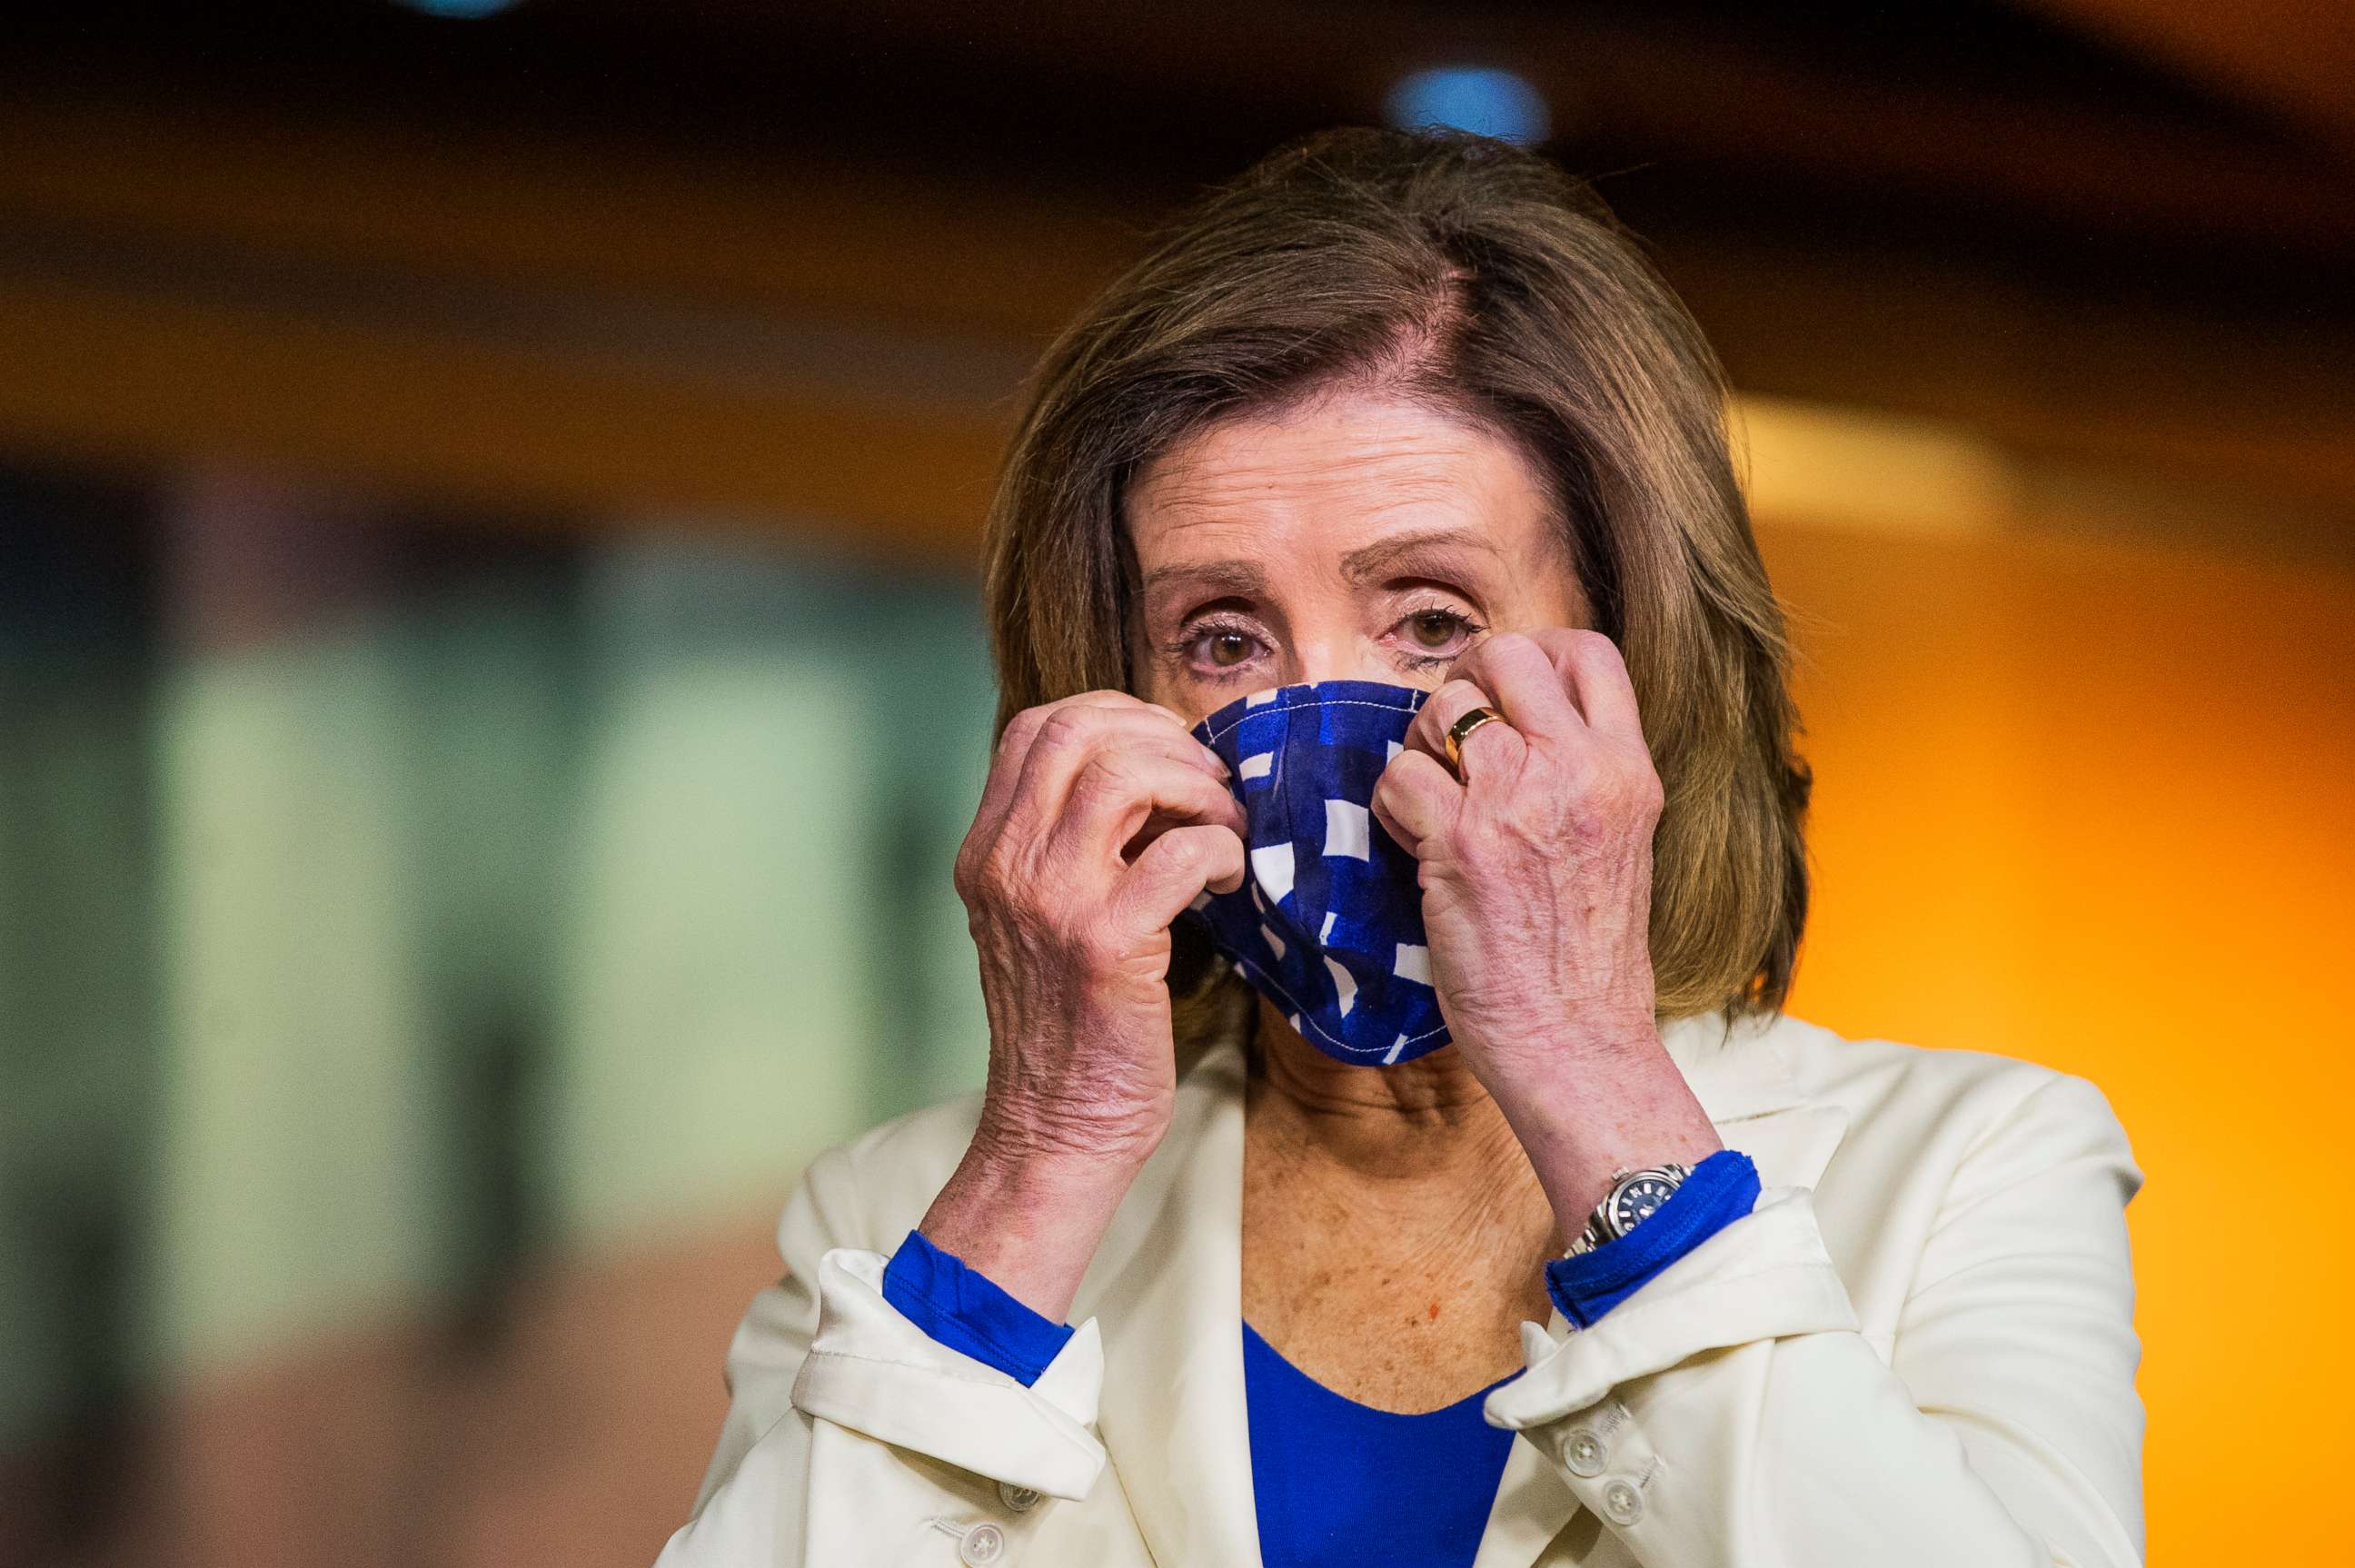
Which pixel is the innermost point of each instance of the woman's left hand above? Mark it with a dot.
(1537, 895)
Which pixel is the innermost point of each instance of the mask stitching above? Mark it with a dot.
(1217, 735)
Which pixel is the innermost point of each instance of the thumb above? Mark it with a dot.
(1171, 871)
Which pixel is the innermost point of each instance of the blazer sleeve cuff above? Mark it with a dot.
(1763, 1277)
(874, 1371)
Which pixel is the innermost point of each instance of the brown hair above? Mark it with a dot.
(1482, 278)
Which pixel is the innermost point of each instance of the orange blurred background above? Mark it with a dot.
(456, 457)
(2094, 805)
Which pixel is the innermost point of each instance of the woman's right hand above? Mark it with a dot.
(1101, 819)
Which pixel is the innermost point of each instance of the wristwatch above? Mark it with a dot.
(1634, 1194)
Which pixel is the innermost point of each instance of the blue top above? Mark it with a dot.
(1337, 1481)
(1342, 1485)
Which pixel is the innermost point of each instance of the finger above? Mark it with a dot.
(1594, 673)
(1158, 821)
(1060, 741)
(1043, 747)
(1528, 688)
(1014, 744)
(1014, 740)
(1498, 746)
(1120, 792)
(1399, 834)
(1171, 874)
(1417, 799)
(1443, 707)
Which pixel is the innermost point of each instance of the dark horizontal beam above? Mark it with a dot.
(545, 318)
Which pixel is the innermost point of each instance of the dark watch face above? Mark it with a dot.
(1637, 1200)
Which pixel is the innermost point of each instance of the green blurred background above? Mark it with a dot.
(379, 928)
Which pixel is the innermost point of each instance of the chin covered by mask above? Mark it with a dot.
(1328, 922)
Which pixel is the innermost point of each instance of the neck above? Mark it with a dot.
(1403, 1122)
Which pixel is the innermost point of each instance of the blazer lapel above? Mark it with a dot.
(1166, 1289)
(1169, 1303)
(1743, 1080)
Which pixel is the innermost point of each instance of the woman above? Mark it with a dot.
(1387, 881)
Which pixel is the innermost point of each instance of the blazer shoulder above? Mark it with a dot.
(1958, 1088)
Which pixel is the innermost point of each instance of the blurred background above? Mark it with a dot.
(491, 678)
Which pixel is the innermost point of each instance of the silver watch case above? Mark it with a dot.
(1634, 1194)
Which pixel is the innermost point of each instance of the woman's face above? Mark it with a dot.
(1358, 537)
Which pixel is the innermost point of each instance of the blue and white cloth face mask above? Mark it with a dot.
(1328, 922)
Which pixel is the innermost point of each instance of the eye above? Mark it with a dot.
(1214, 649)
(1438, 634)
(1435, 628)
(1226, 650)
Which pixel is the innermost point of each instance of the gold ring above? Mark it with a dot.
(1471, 720)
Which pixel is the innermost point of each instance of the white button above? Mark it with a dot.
(983, 1545)
(1022, 1500)
(1585, 1453)
(1622, 1503)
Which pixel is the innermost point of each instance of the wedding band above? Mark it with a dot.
(1471, 720)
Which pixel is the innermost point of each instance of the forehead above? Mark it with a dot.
(1344, 463)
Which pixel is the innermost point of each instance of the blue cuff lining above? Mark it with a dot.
(1720, 1190)
(967, 1311)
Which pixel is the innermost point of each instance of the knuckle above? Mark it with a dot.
(979, 859)
(1021, 728)
(1064, 727)
(1607, 795)
(1104, 776)
(997, 875)
(1610, 799)
(1622, 775)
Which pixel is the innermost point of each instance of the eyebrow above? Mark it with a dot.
(1433, 551)
(1430, 548)
(1213, 578)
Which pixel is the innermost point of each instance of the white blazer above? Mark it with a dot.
(1916, 1352)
